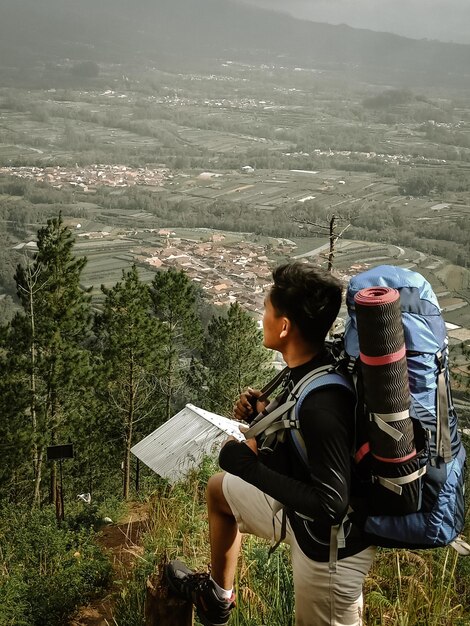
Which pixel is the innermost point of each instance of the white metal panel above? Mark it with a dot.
(181, 443)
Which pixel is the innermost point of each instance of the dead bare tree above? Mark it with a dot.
(330, 228)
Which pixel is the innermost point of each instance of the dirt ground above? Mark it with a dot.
(122, 543)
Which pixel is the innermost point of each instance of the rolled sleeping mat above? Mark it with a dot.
(395, 463)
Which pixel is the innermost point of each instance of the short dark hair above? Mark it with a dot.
(308, 296)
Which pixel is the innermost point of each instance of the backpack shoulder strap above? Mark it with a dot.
(322, 379)
(316, 379)
(328, 378)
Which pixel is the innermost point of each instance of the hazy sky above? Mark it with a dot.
(447, 20)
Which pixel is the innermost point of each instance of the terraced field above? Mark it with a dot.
(313, 144)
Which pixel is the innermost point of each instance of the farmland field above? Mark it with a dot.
(241, 149)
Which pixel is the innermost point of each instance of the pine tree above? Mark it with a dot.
(45, 346)
(234, 358)
(175, 304)
(130, 338)
(16, 440)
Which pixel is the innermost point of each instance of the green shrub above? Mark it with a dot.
(47, 572)
(81, 515)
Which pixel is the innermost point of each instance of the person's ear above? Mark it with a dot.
(285, 328)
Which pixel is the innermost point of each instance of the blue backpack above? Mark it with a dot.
(436, 516)
(440, 513)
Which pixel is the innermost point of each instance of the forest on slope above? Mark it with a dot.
(100, 381)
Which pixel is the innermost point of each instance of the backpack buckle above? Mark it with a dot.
(294, 422)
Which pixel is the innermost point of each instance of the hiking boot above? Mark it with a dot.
(200, 589)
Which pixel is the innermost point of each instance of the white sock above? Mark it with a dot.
(224, 594)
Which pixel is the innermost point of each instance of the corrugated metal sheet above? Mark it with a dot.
(181, 443)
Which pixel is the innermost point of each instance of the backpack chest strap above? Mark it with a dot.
(262, 422)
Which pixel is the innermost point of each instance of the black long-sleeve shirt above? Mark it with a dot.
(320, 492)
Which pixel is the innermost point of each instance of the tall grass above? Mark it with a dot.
(408, 588)
(404, 588)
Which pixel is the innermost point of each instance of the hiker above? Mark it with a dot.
(258, 484)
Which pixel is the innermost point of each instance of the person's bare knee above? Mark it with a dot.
(215, 495)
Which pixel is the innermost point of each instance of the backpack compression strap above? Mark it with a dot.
(444, 448)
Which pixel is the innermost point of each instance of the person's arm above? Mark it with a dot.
(326, 419)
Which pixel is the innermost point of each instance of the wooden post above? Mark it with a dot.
(61, 494)
(59, 513)
(162, 608)
(137, 475)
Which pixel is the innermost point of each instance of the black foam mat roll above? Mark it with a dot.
(380, 328)
(384, 391)
(384, 371)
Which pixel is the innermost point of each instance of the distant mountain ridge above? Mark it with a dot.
(142, 31)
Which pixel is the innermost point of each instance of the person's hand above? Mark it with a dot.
(242, 428)
(247, 406)
(251, 443)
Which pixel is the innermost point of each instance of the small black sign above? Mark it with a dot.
(55, 453)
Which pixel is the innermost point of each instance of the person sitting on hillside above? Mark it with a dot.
(300, 308)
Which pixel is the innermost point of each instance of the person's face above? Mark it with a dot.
(274, 326)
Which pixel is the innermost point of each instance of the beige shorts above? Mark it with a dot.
(322, 598)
